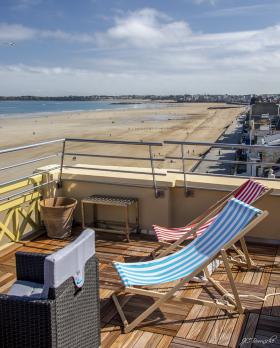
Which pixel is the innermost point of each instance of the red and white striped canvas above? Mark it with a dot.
(248, 193)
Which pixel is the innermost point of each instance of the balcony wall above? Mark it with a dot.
(82, 183)
(174, 208)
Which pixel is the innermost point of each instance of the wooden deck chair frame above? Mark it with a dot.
(233, 302)
(243, 258)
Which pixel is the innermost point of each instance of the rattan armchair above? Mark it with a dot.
(44, 310)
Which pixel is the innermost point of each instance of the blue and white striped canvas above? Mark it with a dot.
(229, 223)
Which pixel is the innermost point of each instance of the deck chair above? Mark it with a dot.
(235, 220)
(249, 192)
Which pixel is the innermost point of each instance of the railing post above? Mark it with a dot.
(59, 184)
(153, 172)
(184, 169)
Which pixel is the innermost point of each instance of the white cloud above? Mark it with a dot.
(18, 32)
(245, 10)
(211, 2)
(148, 29)
(146, 51)
(144, 28)
(25, 4)
(148, 39)
(65, 81)
(41, 70)
(62, 35)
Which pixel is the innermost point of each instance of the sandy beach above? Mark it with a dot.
(168, 122)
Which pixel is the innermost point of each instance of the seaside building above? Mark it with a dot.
(261, 127)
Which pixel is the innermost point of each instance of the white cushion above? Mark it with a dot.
(26, 289)
(69, 262)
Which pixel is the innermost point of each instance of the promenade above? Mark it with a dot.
(232, 135)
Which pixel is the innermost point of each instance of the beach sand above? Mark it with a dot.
(169, 122)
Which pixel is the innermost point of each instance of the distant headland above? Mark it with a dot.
(134, 99)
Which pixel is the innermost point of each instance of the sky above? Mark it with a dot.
(86, 47)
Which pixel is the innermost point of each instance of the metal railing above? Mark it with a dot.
(30, 146)
(22, 149)
(20, 194)
(64, 153)
(150, 158)
(20, 197)
(206, 157)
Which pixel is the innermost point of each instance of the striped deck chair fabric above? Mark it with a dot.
(248, 193)
(230, 222)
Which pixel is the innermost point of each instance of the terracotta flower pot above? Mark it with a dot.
(57, 215)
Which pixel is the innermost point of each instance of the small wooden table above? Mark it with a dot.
(124, 202)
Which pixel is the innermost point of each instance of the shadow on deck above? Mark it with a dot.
(175, 325)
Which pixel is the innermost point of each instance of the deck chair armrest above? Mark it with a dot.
(30, 266)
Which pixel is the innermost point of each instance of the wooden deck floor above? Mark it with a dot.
(174, 325)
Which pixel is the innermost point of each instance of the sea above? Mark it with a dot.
(34, 108)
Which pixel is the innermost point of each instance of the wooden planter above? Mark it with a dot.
(57, 215)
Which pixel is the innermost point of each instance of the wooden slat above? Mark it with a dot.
(276, 304)
(174, 324)
(188, 322)
(250, 330)
(235, 336)
(6, 278)
(267, 305)
(143, 340)
(9, 249)
(165, 341)
(179, 342)
(226, 334)
(208, 325)
(198, 324)
(127, 340)
(110, 336)
(217, 329)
